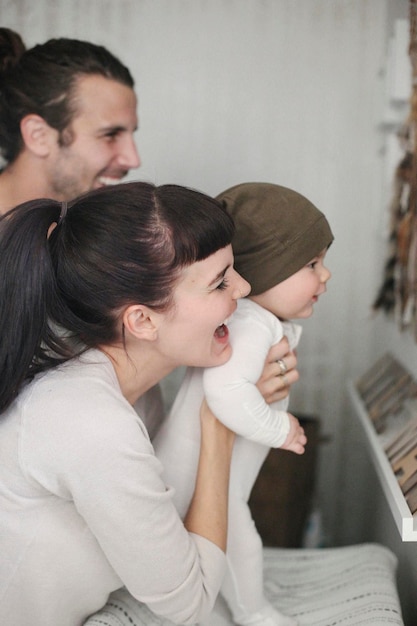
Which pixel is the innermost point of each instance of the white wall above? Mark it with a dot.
(268, 90)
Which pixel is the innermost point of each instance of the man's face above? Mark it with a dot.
(102, 150)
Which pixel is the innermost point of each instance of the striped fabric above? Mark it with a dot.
(347, 586)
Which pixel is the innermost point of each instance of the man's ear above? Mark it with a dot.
(140, 322)
(37, 135)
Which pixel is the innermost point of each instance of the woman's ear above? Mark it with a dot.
(139, 321)
(37, 134)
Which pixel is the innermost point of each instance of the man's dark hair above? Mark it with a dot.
(43, 81)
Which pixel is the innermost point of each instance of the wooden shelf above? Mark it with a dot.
(405, 521)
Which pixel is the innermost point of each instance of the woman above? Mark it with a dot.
(99, 300)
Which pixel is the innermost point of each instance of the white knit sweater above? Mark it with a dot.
(84, 511)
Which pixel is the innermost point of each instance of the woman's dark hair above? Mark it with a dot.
(43, 81)
(116, 246)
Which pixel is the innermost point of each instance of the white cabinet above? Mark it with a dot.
(405, 521)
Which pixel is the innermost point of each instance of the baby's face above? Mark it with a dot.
(294, 298)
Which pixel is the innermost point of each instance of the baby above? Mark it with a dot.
(279, 246)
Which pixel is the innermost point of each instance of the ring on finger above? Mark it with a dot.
(282, 366)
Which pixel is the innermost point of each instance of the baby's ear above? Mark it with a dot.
(138, 320)
(37, 135)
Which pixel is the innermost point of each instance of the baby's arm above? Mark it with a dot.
(296, 439)
(230, 389)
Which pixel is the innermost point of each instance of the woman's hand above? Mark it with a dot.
(279, 372)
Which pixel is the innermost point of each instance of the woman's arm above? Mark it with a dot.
(207, 515)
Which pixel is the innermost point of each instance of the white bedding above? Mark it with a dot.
(348, 586)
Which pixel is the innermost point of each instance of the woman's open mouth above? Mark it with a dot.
(222, 333)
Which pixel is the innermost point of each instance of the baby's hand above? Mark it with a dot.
(296, 439)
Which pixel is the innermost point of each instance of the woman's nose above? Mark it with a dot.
(242, 287)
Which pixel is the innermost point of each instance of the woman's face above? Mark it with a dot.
(194, 332)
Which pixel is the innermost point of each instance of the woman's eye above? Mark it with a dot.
(223, 284)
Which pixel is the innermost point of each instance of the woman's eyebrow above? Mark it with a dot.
(219, 276)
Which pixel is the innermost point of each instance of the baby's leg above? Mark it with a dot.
(243, 585)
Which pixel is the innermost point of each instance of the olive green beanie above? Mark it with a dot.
(278, 231)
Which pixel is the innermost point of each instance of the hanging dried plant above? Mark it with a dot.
(398, 292)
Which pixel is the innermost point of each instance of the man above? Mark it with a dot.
(67, 119)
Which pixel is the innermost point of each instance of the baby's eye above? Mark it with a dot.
(312, 264)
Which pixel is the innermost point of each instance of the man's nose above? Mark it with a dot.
(129, 155)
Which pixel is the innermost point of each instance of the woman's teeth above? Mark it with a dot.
(221, 330)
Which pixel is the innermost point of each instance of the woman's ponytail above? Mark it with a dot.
(27, 291)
